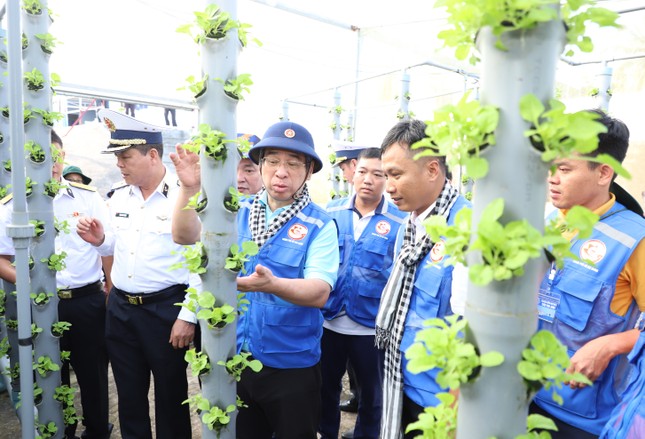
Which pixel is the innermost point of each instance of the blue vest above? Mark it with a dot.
(628, 418)
(279, 333)
(430, 298)
(364, 264)
(574, 304)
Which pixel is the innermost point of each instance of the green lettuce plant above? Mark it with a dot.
(235, 87)
(460, 132)
(49, 117)
(197, 203)
(213, 416)
(39, 227)
(504, 249)
(47, 42)
(560, 135)
(65, 395)
(236, 365)
(214, 142)
(199, 362)
(197, 86)
(232, 200)
(35, 151)
(53, 186)
(195, 258)
(56, 262)
(441, 345)
(204, 305)
(467, 17)
(211, 23)
(237, 257)
(47, 430)
(35, 79)
(33, 7)
(59, 328)
(41, 298)
(544, 365)
(44, 365)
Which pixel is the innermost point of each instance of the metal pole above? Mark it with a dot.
(404, 97)
(338, 185)
(604, 86)
(219, 60)
(20, 229)
(502, 315)
(40, 207)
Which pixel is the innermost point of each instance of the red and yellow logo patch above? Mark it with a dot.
(298, 231)
(383, 227)
(438, 251)
(593, 250)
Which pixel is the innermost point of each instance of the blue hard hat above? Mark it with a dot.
(289, 136)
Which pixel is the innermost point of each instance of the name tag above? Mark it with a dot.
(548, 302)
(122, 215)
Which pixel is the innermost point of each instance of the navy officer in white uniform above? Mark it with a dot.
(146, 332)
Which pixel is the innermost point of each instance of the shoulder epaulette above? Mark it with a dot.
(6, 199)
(83, 186)
(115, 187)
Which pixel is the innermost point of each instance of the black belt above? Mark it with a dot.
(144, 298)
(75, 293)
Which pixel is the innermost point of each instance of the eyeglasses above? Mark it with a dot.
(291, 165)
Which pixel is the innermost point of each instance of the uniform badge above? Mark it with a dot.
(109, 124)
(438, 251)
(593, 250)
(298, 231)
(383, 227)
(289, 133)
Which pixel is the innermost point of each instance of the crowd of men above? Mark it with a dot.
(347, 285)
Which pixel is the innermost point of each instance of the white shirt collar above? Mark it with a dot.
(418, 222)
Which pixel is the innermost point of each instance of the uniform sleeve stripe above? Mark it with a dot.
(394, 217)
(310, 219)
(616, 234)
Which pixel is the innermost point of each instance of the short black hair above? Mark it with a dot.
(407, 133)
(145, 148)
(369, 153)
(615, 141)
(55, 138)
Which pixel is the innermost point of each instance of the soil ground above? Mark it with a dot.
(10, 426)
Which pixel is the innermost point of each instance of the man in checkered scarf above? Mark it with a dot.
(286, 283)
(420, 286)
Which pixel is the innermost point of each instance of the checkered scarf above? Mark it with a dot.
(257, 219)
(393, 310)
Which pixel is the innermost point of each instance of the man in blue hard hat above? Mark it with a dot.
(286, 283)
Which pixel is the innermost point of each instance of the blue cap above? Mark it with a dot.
(289, 136)
(126, 131)
(251, 138)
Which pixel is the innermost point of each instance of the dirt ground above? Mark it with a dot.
(10, 426)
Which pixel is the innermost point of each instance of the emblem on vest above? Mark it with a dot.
(298, 231)
(593, 250)
(438, 251)
(383, 227)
